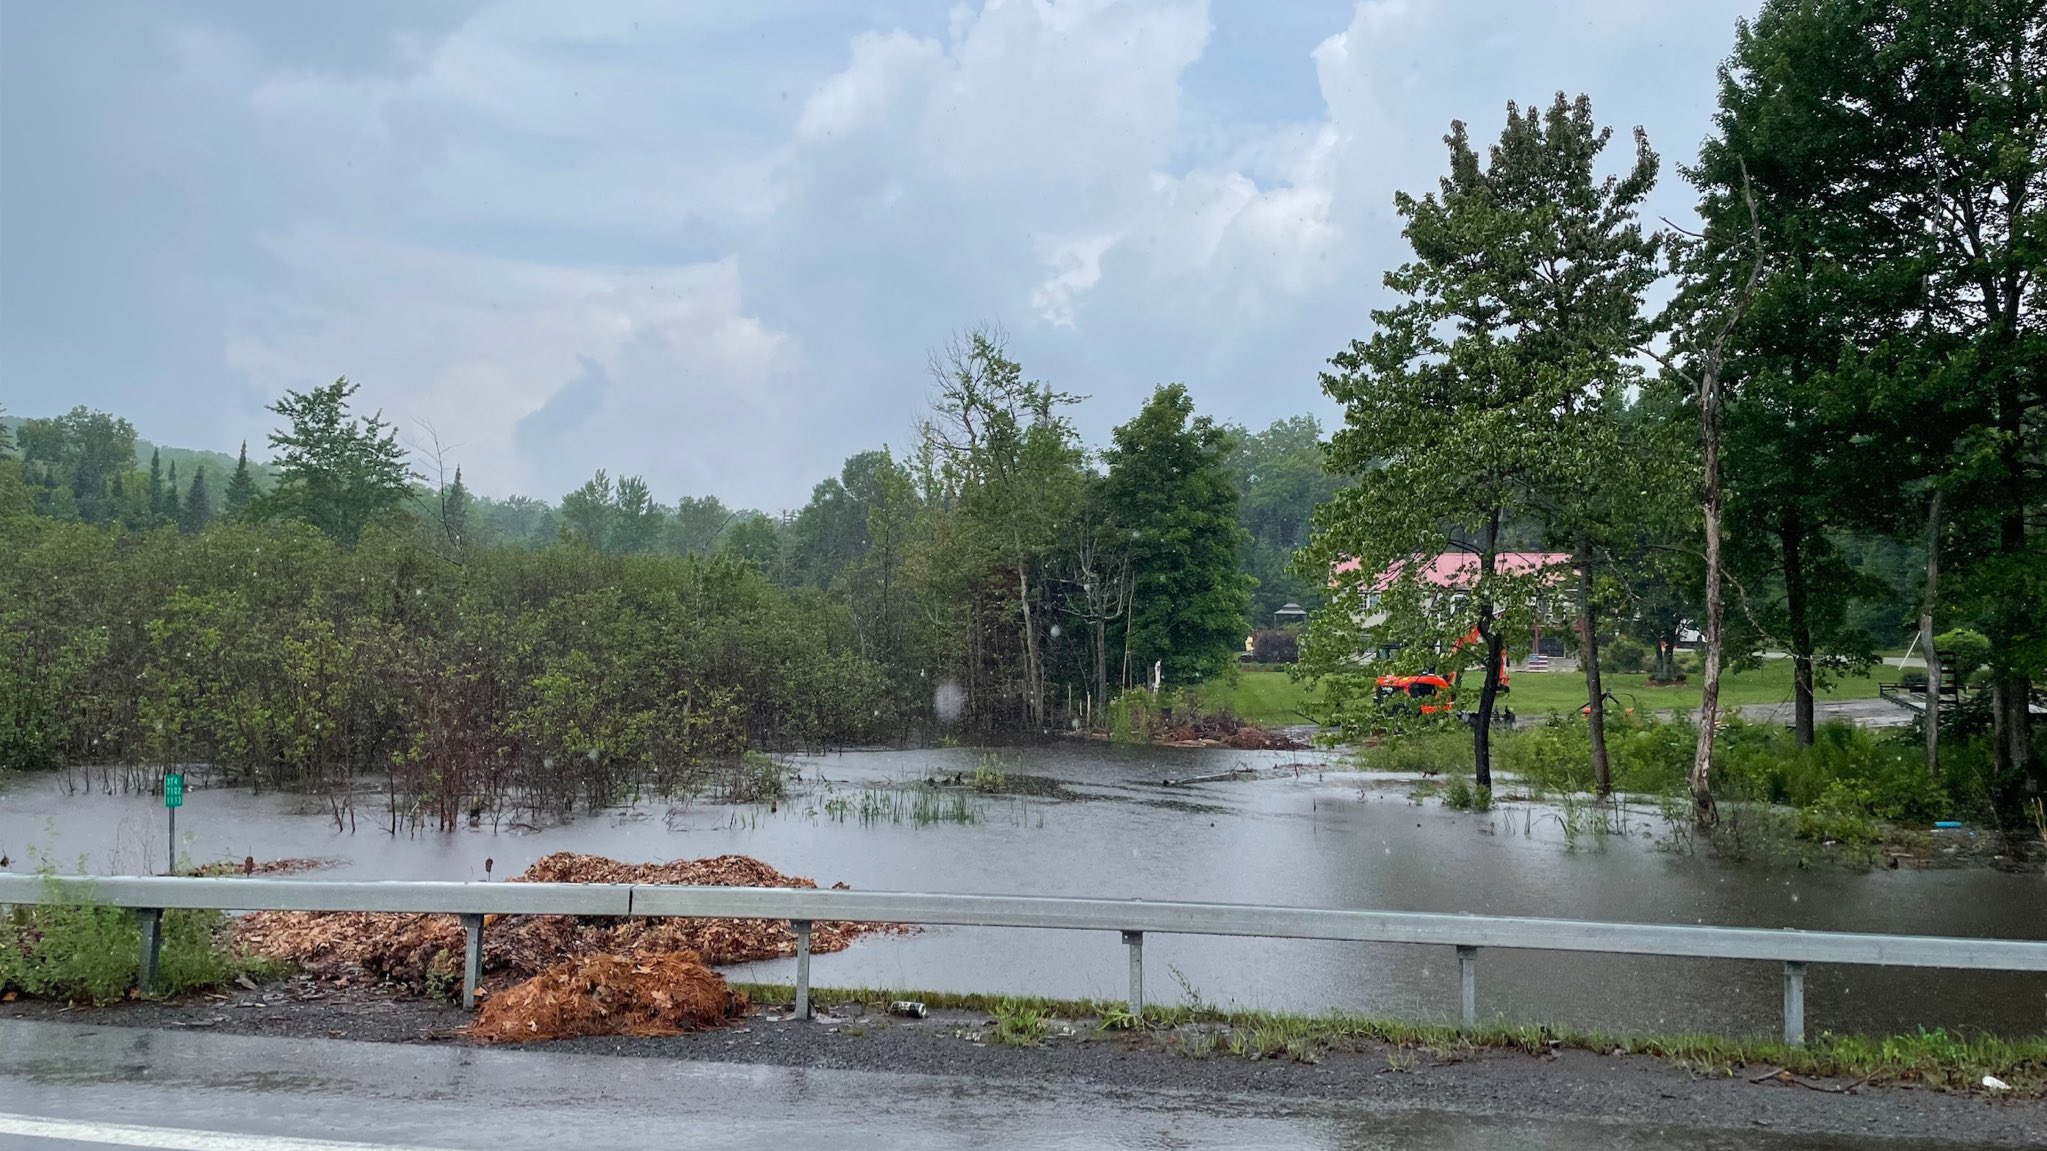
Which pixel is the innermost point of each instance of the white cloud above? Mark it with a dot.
(472, 346)
(754, 251)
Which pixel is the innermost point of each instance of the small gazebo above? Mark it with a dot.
(1289, 614)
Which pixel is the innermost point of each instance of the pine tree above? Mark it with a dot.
(241, 487)
(170, 513)
(455, 512)
(155, 481)
(198, 509)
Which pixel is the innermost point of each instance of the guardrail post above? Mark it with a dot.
(151, 919)
(1135, 941)
(472, 960)
(1467, 985)
(802, 929)
(1794, 1003)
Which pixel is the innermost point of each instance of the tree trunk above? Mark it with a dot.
(1595, 694)
(1101, 698)
(1926, 638)
(1482, 722)
(1033, 696)
(1716, 610)
(1791, 538)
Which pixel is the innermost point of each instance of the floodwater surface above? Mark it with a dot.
(1086, 819)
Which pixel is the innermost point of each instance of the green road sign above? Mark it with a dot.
(174, 790)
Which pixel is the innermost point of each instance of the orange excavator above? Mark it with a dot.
(1430, 692)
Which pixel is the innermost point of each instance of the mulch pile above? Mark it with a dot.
(1227, 731)
(663, 993)
(253, 866)
(423, 952)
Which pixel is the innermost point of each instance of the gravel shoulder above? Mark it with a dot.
(1564, 1085)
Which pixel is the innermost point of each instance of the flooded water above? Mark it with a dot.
(1093, 820)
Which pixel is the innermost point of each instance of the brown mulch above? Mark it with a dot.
(1225, 732)
(254, 866)
(639, 994)
(414, 951)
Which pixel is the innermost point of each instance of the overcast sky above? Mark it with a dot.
(713, 243)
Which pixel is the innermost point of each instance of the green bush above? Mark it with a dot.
(88, 951)
(1625, 654)
(1963, 652)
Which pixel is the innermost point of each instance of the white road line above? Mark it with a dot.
(174, 1138)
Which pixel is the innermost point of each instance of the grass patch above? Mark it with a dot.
(1268, 695)
(1932, 1058)
(1264, 695)
(1538, 692)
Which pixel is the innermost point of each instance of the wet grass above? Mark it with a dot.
(917, 806)
(1931, 1058)
(1271, 696)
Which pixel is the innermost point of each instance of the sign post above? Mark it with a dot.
(173, 799)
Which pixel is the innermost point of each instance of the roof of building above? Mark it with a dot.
(1460, 569)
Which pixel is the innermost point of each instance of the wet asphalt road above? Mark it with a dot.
(74, 1086)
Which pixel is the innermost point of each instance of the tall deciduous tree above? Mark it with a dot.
(1568, 263)
(1171, 492)
(335, 470)
(1898, 152)
(1447, 433)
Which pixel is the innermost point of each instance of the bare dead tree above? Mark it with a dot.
(1706, 387)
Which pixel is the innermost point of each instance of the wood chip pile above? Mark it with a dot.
(663, 993)
(414, 951)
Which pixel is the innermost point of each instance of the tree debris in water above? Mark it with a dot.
(421, 952)
(652, 993)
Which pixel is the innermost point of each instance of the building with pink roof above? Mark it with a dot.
(1457, 571)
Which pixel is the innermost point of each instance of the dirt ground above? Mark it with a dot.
(1569, 1084)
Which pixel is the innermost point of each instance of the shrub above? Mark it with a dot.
(1274, 645)
(1429, 752)
(1626, 654)
(1963, 652)
(85, 950)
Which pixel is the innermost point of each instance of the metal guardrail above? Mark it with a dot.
(150, 896)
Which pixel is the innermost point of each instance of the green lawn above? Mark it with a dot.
(1269, 696)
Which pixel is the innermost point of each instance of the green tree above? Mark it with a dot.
(636, 520)
(1170, 488)
(755, 539)
(1448, 433)
(336, 471)
(172, 511)
(1001, 456)
(1280, 482)
(78, 461)
(1897, 154)
(198, 504)
(1566, 263)
(697, 524)
(241, 486)
(456, 528)
(156, 501)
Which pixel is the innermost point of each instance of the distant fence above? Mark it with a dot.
(150, 896)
